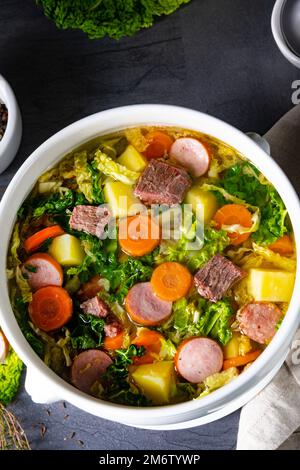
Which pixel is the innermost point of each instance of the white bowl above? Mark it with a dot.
(10, 142)
(279, 37)
(42, 383)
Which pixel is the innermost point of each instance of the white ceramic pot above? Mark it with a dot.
(10, 142)
(42, 383)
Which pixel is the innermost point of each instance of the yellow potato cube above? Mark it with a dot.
(120, 198)
(204, 203)
(271, 285)
(67, 250)
(232, 347)
(156, 381)
(132, 159)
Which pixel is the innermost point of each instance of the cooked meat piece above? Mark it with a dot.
(41, 270)
(216, 277)
(90, 288)
(90, 219)
(191, 154)
(162, 183)
(96, 307)
(89, 367)
(144, 307)
(258, 320)
(112, 329)
(198, 358)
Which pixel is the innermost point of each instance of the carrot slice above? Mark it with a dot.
(284, 245)
(234, 214)
(51, 308)
(241, 360)
(171, 281)
(114, 343)
(159, 143)
(37, 239)
(152, 342)
(138, 235)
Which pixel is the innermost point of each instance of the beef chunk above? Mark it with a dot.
(96, 307)
(90, 219)
(90, 288)
(112, 329)
(162, 183)
(216, 277)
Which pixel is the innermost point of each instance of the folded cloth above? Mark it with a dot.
(267, 421)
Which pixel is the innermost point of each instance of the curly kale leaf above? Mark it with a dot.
(114, 18)
(244, 181)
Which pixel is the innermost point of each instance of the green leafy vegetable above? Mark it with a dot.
(30, 268)
(57, 203)
(83, 175)
(199, 318)
(214, 322)
(273, 219)
(215, 241)
(243, 181)
(102, 259)
(118, 388)
(10, 375)
(109, 167)
(215, 381)
(115, 18)
(88, 333)
(97, 190)
(20, 310)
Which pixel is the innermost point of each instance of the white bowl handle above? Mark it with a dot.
(40, 390)
(260, 141)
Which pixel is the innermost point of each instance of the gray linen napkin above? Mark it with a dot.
(270, 419)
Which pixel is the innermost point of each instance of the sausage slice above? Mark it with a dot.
(198, 358)
(41, 270)
(88, 367)
(191, 154)
(258, 320)
(144, 307)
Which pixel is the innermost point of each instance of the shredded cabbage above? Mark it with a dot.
(23, 286)
(227, 196)
(83, 175)
(113, 169)
(224, 159)
(137, 139)
(215, 381)
(278, 261)
(14, 247)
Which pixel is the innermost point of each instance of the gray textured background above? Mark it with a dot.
(216, 56)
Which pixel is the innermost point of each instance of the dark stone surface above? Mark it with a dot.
(216, 56)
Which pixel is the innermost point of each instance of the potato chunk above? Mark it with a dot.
(67, 250)
(121, 199)
(271, 285)
(156, 381)
(132, 159)
(205, 201)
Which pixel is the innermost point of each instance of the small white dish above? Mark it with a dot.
(279, 37)
(10, 142)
